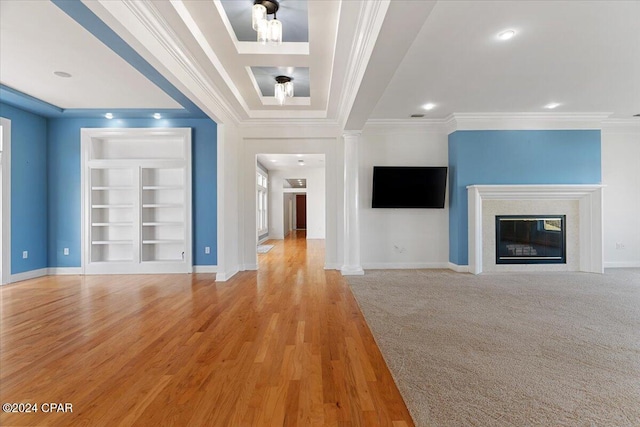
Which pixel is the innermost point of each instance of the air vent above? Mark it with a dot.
(417, 116)
(636, 115)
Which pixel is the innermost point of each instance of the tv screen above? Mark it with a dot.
(409, 187)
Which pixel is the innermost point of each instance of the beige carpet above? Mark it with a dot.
(546, 349)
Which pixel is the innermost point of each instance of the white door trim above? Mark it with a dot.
(6, 201)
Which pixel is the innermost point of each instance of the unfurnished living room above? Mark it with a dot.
(320, 212)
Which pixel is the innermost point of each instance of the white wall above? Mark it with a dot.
(621, 175)
(402, 238)
(316, 205)
(229, 204)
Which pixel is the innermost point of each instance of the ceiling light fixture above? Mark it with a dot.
(506, 35)
(109, 116)
(268, 31)
(283, 89)
(63, 74)
(429, 106)
(157, 116)
(551, 105)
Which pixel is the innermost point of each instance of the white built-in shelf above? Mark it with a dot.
(162, 205)
(112, 187)
(162, 187)
(114, 206)
(162, 241)
(112, 242)
(111, 224)
(153, 224)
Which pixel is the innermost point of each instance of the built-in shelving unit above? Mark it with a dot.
(137, 200)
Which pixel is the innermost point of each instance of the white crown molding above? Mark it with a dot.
(621, 125)
(527, 121)
(368, 27)
(149, 28)
(405, 125)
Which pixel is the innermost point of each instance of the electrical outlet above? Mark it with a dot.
(207, 250)
(25, 254)
(65, 251)
(620, 245)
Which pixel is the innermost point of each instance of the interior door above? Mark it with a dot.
(301, 211)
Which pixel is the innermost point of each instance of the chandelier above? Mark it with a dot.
(283, 89)
(268, 31)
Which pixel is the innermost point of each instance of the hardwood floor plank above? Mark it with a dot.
(286, 345)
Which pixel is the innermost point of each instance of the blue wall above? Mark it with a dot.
(65, 186)
(28, 188)
(514, 157)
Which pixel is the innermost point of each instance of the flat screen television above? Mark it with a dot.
(409, 187)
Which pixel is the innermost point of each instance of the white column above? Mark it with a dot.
(351, 265)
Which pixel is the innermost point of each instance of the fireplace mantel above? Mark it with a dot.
(589, 198)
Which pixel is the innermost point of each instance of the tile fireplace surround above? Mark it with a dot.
(582, 204)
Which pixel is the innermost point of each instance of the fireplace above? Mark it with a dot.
(531, 239)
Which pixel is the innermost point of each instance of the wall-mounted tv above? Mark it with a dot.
(409, 187)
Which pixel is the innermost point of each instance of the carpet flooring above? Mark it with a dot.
(544, 349)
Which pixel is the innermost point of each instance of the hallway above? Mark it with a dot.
(286, 345)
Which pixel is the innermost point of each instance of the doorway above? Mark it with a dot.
(301, 211)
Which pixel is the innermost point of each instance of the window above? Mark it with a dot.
(261, 203)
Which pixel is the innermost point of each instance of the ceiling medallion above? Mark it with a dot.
(268, 31)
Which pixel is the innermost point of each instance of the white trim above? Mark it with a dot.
(622, 264)
(368, 26)
(385, 126)
(458, 268)
(249, 267)
(332, 266)
(63, 271)
(224, 276)
(621, 125)
(264, 239)
(404, 265)
(6, 201)
(33, 274)
(525, 121)
(590, 207)
(352, 270)
(205, 268)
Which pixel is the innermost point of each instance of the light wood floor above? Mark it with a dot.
(283, 346)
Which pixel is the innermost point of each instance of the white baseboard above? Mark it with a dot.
(205, 268)
(623, 264)
(264, 239)
(63, 271)
(223, 277)
(248, 267)
(458, 268)
(331, 266)
(33, 274)
(351, 270)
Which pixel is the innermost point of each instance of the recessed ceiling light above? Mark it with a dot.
(157, 116)
(298, 155)
(109, 116)
(551, 105)
(429, 106)
(62, 74)
(273, 160)
(506, 35)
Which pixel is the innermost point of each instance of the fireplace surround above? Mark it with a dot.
(582, 205)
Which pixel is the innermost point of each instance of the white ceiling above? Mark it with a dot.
(37, 38)
(366, 59)
(291, 161)
(584, 55)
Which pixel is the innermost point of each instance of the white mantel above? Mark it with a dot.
(588, 198)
